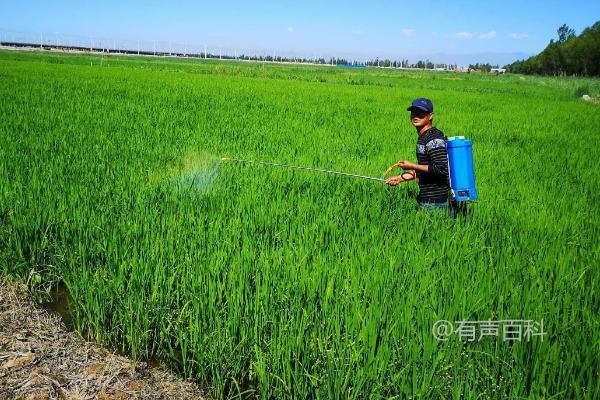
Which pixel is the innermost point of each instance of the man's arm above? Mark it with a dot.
(417, 167)
(438, 157)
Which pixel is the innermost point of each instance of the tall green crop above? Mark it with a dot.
(273, 283)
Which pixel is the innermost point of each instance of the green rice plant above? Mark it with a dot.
(273, 283)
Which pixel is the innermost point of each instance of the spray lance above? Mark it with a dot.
(326, 171)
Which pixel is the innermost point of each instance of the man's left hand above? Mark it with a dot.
(406, 165)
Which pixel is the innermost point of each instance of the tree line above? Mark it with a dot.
(569, 55)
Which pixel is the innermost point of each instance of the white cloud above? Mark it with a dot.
(408, 32)
(517, 36)
(488, 35)
(290, 29)
(470, 35)
(464, 35)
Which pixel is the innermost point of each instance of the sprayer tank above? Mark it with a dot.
(460, 161)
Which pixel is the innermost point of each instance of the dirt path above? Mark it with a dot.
(40, 359)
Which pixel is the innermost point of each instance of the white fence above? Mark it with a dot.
(56, 40)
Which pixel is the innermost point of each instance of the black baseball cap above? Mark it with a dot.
(421, 104)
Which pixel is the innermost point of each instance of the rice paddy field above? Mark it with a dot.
(261, 282)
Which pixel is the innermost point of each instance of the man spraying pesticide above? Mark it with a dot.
(444, 170)
(434, 171)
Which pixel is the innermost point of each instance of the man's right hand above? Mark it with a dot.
(394, 180)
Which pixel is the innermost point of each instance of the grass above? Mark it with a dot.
(271, 283)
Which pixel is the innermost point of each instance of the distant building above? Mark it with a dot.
(498, 70)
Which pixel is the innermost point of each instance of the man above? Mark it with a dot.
(431, 172)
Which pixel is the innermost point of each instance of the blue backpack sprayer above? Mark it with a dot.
(460, 168)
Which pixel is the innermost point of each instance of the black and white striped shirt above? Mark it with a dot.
(431, 150)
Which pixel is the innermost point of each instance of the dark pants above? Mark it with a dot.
(452, 207)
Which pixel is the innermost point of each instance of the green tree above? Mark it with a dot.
(565, 33)
(570, 55)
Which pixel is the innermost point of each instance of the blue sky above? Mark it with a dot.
(355, 29)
